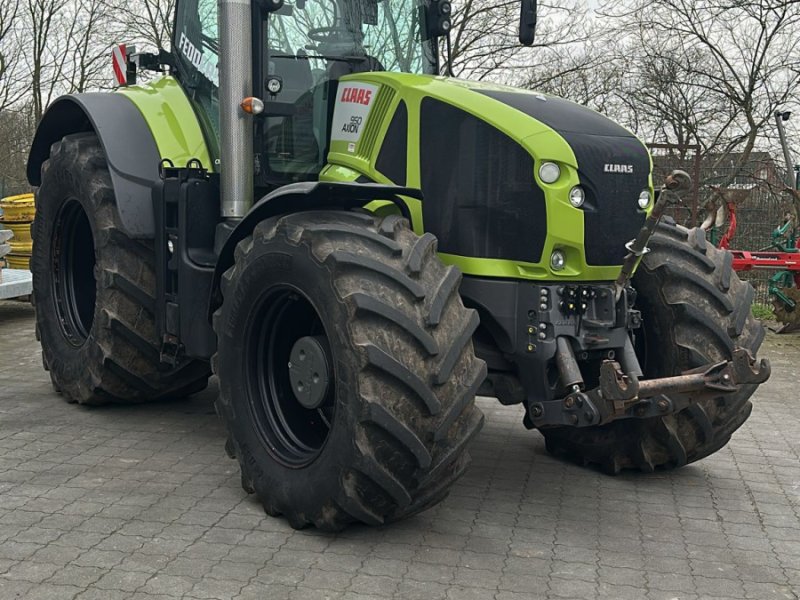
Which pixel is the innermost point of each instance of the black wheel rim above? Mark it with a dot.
(294, 435)
(72, 270)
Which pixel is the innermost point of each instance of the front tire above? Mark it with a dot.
(94, 287)
(695, 310)
(378, 428)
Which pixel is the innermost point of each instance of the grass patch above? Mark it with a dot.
(763, 312)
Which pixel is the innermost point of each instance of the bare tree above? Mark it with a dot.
(46, 56)
(587, 73)
(67, 47)
(710, 72)
(485, 44)
(16, 130)
(145, 22)
(90, 46)
(9, 50)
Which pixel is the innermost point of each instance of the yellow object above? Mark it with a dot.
(14, 261)
(21, 243)
(18, 209)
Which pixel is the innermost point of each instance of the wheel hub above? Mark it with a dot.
(309, 371)
(72, 263)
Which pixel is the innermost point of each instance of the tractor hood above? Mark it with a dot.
(476, 149)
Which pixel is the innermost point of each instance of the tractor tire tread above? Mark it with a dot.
(407, 438)
(702, 311)
(123, 363)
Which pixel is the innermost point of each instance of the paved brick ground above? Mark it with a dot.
(141, 503)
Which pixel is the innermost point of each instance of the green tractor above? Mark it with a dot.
(356, 246)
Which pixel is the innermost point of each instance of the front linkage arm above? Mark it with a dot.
(620, 395)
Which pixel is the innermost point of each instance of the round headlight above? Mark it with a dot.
(549, 172)
(644, 199)
(557, 260)
(577, 196)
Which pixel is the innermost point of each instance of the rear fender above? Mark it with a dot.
(129, 147)
(137, 126)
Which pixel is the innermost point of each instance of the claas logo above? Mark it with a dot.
(357, 95)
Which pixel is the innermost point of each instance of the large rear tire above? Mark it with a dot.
(377, 430)
(695, 310)
(93, 288)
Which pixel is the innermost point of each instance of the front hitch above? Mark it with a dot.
(621, 395)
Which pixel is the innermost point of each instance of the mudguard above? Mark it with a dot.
(296, 197)
(132, 154)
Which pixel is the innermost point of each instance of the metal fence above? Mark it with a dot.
(755, 187)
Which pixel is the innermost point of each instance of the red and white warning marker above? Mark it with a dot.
(120, 60)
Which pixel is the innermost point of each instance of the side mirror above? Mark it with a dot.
(269, 6)
(527, 22)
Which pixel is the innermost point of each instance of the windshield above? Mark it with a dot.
(311, 44)
(385, 34)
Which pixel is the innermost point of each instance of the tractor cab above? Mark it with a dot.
(300, 50)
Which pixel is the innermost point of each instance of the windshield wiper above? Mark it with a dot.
(324, 56)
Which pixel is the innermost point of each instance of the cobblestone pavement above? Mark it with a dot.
(142, 503)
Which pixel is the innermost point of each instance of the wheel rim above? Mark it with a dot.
(72, 271)
(282, 323)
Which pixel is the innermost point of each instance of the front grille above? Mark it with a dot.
(611, 214)
(612, 217)
(481, 199)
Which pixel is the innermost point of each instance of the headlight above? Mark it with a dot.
(644, 199)
(577, 196)
(549, 172)
(557, 260)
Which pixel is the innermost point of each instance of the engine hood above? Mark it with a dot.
(611, 165)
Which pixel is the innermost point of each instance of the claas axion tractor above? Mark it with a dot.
(356, 246)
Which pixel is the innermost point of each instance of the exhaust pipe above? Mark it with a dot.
(791, 180)
(236, 127)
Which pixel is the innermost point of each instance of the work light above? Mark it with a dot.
(577, 196)
(549, 172)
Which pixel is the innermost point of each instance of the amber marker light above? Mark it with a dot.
(252, 105)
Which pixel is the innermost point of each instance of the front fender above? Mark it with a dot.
(304, 196)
